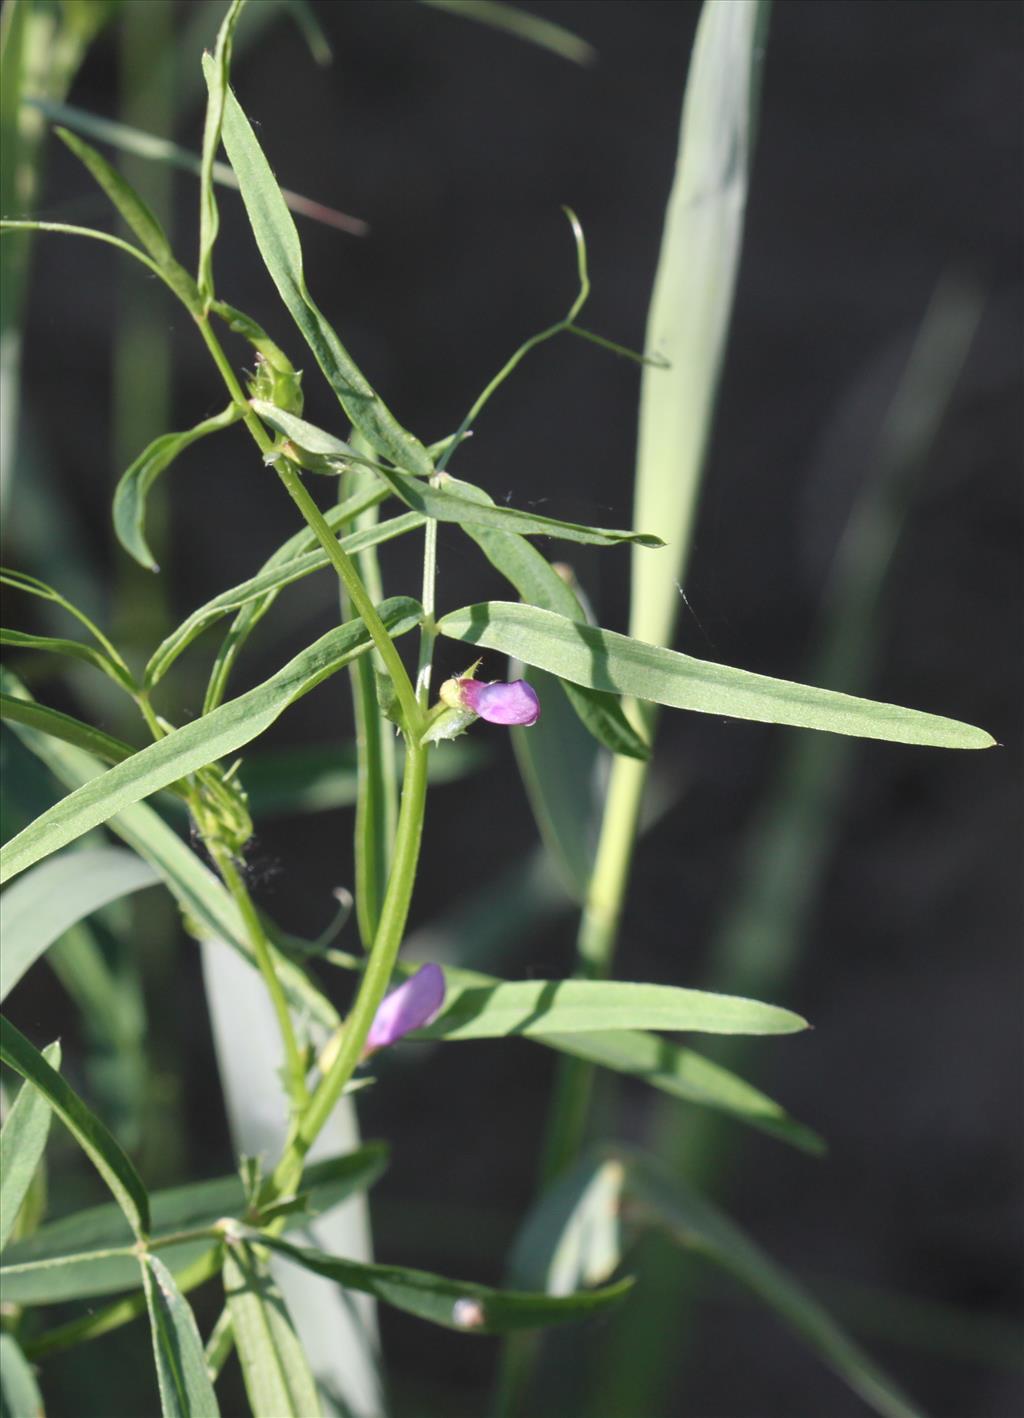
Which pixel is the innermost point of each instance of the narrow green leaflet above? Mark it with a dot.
(264, 587)
(22, 1143)
(274, 1365)
(133, 488)
(587, 1006)
(138, 216)
(531, 28)
(202, 742)
(278, 242)
(71, 649)
(209, 220)
(572, 1235)
(604, 659)
(204, 902)
(697, 1225)
(185, 1387)
(683, 1074)
(101, 1147)
(19, 1392)
(91, 1252)
(67, 729)
(52, 897)
(650, 1059)
(454, 1304)
(446, 502)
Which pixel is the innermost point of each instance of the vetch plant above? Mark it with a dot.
(600, 688)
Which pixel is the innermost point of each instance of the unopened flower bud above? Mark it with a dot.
(411, 1006)
(498, 703)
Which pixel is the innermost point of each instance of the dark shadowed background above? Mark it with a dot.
(889, 156)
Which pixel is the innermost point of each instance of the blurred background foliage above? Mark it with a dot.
(860, 526)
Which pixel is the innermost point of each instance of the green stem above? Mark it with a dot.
(598, 932)
(314, 518)
(294, 1065)
(375, 979)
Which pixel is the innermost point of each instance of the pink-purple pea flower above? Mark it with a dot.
(413, 1005)
(498, 703)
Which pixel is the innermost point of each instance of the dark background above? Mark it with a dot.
(889, 154)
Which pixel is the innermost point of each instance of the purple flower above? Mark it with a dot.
(411, 1006)
(498, 703)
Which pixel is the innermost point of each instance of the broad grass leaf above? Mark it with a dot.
(453, 1304)
(691, 306)
(187, 749)
(604, 659)
(50, 899)
(22, 1143)
(94, 1138)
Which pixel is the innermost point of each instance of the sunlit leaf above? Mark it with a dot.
(604, 659)
(276, 1372)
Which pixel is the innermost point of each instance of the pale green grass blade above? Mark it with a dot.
(55, 895)
(587, 1006)
(22, 1143)
(338, 1330)
(523, 25)
(185, 1387)
(209, 220)
(603, 659)
(277, 1376)
(135, 483)
(19, 1392)
(204, 902)
(692, 302)
(99, 1145)
(697, 1225)
(279, 246)
(453, 1304)
(223, 731)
